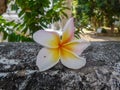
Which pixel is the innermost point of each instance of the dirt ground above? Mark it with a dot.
(91, 36)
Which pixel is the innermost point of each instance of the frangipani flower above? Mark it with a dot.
(65, 49)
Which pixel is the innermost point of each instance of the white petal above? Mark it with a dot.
(68, 31)
(47, 58)
(77, 46)
(71, 60)
(47, 38)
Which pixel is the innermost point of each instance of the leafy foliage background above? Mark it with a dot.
(96, 13)
(35, 15)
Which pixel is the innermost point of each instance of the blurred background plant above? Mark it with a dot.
(92, 14)
(34, 15)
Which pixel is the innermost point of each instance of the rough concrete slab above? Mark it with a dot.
(18, 70)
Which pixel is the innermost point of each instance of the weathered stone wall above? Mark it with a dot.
(19, 72)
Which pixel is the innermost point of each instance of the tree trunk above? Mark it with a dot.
(93, 21)
(112, 28)
(3, 6)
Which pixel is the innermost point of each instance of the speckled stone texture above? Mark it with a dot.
(18, 70)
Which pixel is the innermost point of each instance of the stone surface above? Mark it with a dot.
(18, 70)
